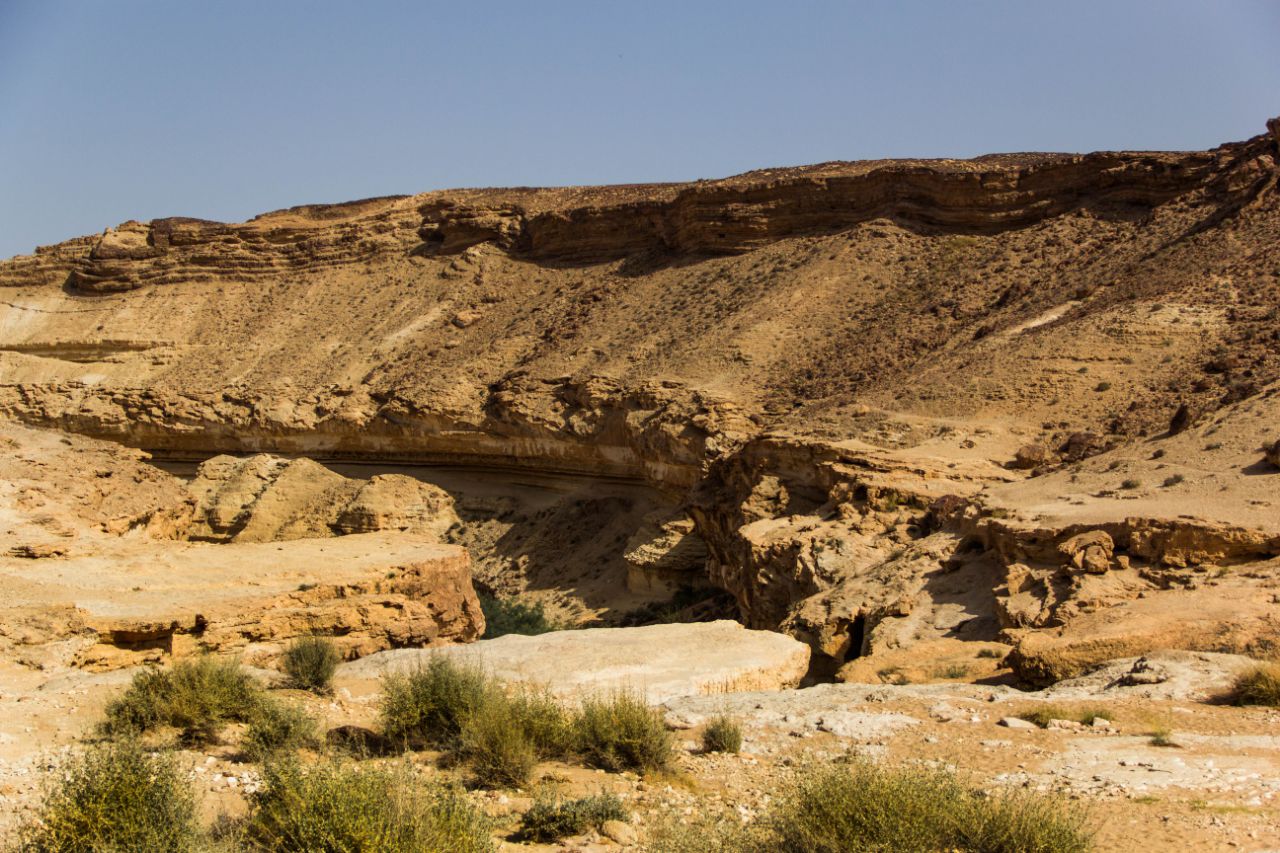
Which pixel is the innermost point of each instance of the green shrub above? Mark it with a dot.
(500, 732)
(198, 696)
(722, 734)
(993, 654)
(428, 705)
(512, 616)
(115, 797)
(1259, 686)
(503, 738)
(621, 732)
(310, 663)
(913, 810)
(702, 833)
(1042, 716)
(497, 748)
(345, 808)
(551, 818)
(544, 720)
(278, 726)
(1022, 822)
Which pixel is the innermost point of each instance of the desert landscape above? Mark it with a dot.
(967, 467)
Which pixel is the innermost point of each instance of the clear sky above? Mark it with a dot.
(136, 109)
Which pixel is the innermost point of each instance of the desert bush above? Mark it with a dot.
(310, 663)
(114, 797)
(621, 732)
(501, 732)
(428, 705)
(1162, 736)
(277, 726)
(544, 720)
(551, 818)
(865, 807)
(1021, 822)
(722, 734)
(347, 808)
(497, 747)
(1258, 686)
(198, 696)
(701, 833)
(1042, 716)
(511, 616)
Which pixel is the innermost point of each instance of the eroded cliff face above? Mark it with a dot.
(834, 369)
(658, 432)
(587, 225)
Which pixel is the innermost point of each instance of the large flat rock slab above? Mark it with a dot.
(1162, 674)
(661, 661)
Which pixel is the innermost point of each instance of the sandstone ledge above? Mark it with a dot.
(146, 601)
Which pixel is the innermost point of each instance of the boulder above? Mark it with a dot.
(1030, 456)
(1080, 445)
(466, 317)
(397, 502)
(1272, 454)
(1017, 723)
(660, 661)
(664, 554)
(1181, 419)
(1089, 552)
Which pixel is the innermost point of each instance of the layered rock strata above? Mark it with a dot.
(810, 359)
(368, 592)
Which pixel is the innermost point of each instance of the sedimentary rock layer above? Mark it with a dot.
(829, 364)
(369, 591)
(989, 194)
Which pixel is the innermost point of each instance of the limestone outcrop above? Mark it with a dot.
(732, 215)
(662, 431)
(266, 498)
(369, 592)
(665, 553)
(1234, 616)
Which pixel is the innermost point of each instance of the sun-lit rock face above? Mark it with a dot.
(266, 498)
(655, 660)
(880, 404)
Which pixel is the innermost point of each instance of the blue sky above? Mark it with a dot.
(137, 109)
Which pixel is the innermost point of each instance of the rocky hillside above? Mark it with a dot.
(845, 374)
